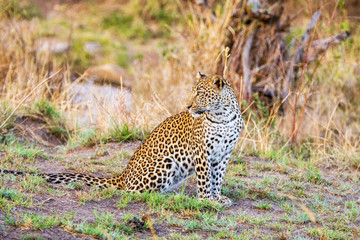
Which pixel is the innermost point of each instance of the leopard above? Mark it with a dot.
(197, 140)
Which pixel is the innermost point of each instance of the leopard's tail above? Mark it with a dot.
(72, 177)
(16, 173)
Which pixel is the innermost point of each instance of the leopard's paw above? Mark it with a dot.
(223, 200)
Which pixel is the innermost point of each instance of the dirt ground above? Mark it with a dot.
(250, 183)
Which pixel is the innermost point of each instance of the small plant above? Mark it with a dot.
(117, 20)
(263, 110)
(46, 109)
(262, 167)
(193, 225)
(78, 185)
(88, 138)
(15, 9)
(84, 196)
(19, 150)
(177, 203)
(288, 207)
(10, 198)
(122, 59)
(31, 237)
(47, 112)
(125, 26)
(125, 198)
(311, 175)
(37, 222)
(100, 151)
(9, 218)
(239, 169)
(32, 183)
(117, 133)
(353, 209)
(104, 227)
(124, 132)
(264, 205)
(5, 111)
(109, 192)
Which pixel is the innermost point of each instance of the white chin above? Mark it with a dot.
(194, 114)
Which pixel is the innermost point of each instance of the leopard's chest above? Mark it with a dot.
(220, 139)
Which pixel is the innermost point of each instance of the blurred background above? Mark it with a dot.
(82, 72)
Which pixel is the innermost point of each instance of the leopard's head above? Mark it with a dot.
(207, 94)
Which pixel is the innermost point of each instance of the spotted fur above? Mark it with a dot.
(199, 140)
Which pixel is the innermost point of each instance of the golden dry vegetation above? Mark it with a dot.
(160, 46)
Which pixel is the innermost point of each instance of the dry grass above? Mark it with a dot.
(305, 189)
(326, 113)
(330, 124)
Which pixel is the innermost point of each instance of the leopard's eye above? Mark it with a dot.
(199, 92)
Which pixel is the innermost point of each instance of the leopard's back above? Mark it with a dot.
(164, 159)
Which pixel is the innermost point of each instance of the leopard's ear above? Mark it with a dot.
(200, 75)
(217, 81)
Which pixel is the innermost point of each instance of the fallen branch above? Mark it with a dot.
(246, 65)
(316, 48)
(297, 58)
(322, 45)
(260, 59)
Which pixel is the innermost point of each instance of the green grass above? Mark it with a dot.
(10, 198)
(42, 112)
(261, 195)
(88, 138)
(81, 59)
(109, 192)
(124, 132)
(269, 189)
(311, 175)
(14, 9)
(96, 193)
(122, 58)
(46, 109)
(105, 226)
(85, 196)
(117, 133)
(353, 210)
(17, 153)
(75, 185)
(37, 222)
(47, 112)
(31, 237)
(132, 20)
(22, 151)
(206, 221)
(5, 111)
(125, 26)
(179, 236)
(32, 183)
(265, 205)
(174, 202)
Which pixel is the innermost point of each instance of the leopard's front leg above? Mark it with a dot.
(203, 177)
(217, 176)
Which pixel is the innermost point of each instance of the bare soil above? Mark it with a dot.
(246, 206)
